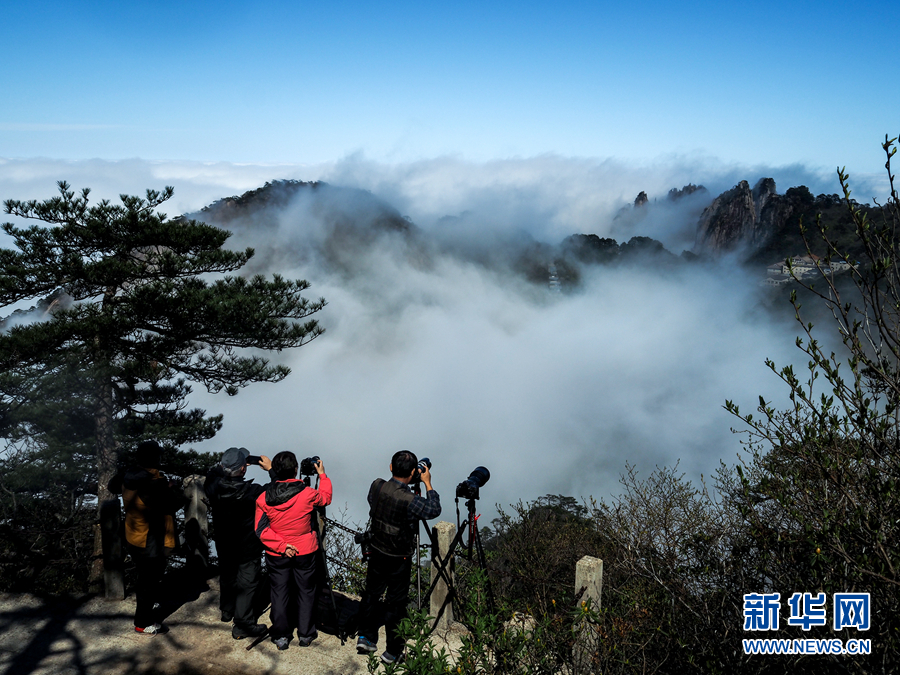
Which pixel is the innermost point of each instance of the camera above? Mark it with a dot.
(468, 489)
(308, 466)
(364, 539)
(423, 464)
(254, 459)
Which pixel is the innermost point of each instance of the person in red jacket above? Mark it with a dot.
(286, 527)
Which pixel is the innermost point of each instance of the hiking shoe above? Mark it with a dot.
(152, 629)
(239, 633)
(307, 641)
(389, 658)
(365, 646)
(281, 643)
(227, 617)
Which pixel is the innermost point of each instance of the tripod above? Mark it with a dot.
(474, 546)
(417, 490)
(318, 523)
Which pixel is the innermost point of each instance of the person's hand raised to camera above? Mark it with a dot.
(265, 463)
(425, 475)
(320, 467)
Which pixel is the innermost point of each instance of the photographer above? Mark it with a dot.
(285, 526)
(233, 503)
(150, 501)
(395, 514)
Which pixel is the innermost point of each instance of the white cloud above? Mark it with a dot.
(469, 365)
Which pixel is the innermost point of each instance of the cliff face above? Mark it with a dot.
(741, 217)
(727, 221)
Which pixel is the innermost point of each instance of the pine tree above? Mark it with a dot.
(135, 306)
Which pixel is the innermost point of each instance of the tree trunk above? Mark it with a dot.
(107, 448)
(107, 456)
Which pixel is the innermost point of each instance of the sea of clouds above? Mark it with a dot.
(435, 351)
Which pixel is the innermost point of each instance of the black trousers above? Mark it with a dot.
(292, 577)
(389, 575)
(238, 582)
(150, 571)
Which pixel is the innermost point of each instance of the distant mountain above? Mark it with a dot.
(738, 217)
(684, 204)
(298, 222)
(764, 226)
(676, 195)
(295, 221)
(339, 205)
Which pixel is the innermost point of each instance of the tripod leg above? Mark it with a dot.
(482, 562)
(418, 571)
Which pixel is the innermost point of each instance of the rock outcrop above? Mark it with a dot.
(590, 249)
(742, 217)
(675, 194)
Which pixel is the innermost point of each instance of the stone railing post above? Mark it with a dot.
(588, 584)
(442, 535)
(113, 553)
(196, 524)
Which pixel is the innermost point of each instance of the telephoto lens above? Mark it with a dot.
(420, 467)
(469, 488)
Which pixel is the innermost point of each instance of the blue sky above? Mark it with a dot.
(810, 83)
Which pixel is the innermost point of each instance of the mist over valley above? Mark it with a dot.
(551, 319)
(491, 335)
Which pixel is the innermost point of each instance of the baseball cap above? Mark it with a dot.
(234, 458)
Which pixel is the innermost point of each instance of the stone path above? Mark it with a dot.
(92, 636)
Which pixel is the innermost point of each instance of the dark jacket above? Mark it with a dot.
(393, 532)
(233, 502)
(150, 506)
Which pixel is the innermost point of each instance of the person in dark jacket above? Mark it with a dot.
(233, 503)
(285, 525)
(395, 513)
(150, 501)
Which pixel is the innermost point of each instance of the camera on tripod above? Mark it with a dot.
(469, 488)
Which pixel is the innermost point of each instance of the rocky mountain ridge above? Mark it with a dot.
(756, 224)
(763, 226)
(739, 217)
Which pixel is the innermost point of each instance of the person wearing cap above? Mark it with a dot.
(285, 526)
(233, 503)
(395, 512)
(150, 501)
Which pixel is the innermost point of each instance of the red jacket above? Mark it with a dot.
(284, 515)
